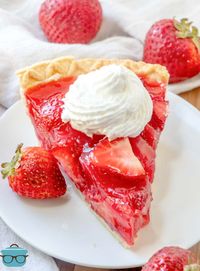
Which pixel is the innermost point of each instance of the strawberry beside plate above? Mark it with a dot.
(68, 230)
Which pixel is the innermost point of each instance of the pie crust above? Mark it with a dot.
(69, 66)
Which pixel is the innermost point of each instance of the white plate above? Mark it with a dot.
(65, 227)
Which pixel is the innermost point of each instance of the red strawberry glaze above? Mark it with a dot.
(71, 149)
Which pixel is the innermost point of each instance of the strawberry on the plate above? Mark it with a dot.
(175, 45)
(172, 259)
(33, 172)
(70, 21)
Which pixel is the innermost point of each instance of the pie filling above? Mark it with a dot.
(118, 190)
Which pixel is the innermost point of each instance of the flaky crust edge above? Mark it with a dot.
(68, 66)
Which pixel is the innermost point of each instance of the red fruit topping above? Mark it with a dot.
(145, 153)
(70, 21)
(175, 45)
(118, 175)
(150, 135)
(118, 156)
(114, 162)
(160, 112)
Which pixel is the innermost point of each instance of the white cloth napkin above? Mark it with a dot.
(122, 35)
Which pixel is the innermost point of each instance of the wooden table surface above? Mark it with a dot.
(194, 98)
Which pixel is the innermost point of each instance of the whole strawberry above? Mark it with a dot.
(175, 45)
(34, 173)
(172, 259)
(70, 21)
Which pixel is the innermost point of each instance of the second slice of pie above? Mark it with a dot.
(102, 120)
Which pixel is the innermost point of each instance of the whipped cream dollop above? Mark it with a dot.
(111, 101)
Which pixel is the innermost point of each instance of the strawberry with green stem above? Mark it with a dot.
(34, 173)
(175, 45)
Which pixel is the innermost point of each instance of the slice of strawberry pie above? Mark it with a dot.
(102, 120)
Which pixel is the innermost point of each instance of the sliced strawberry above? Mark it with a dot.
(160, 112)
(157, 91)
(151, 135)
(118, 156)
(160, 105)
(113, 164)
(145, 153)
(69, 161)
